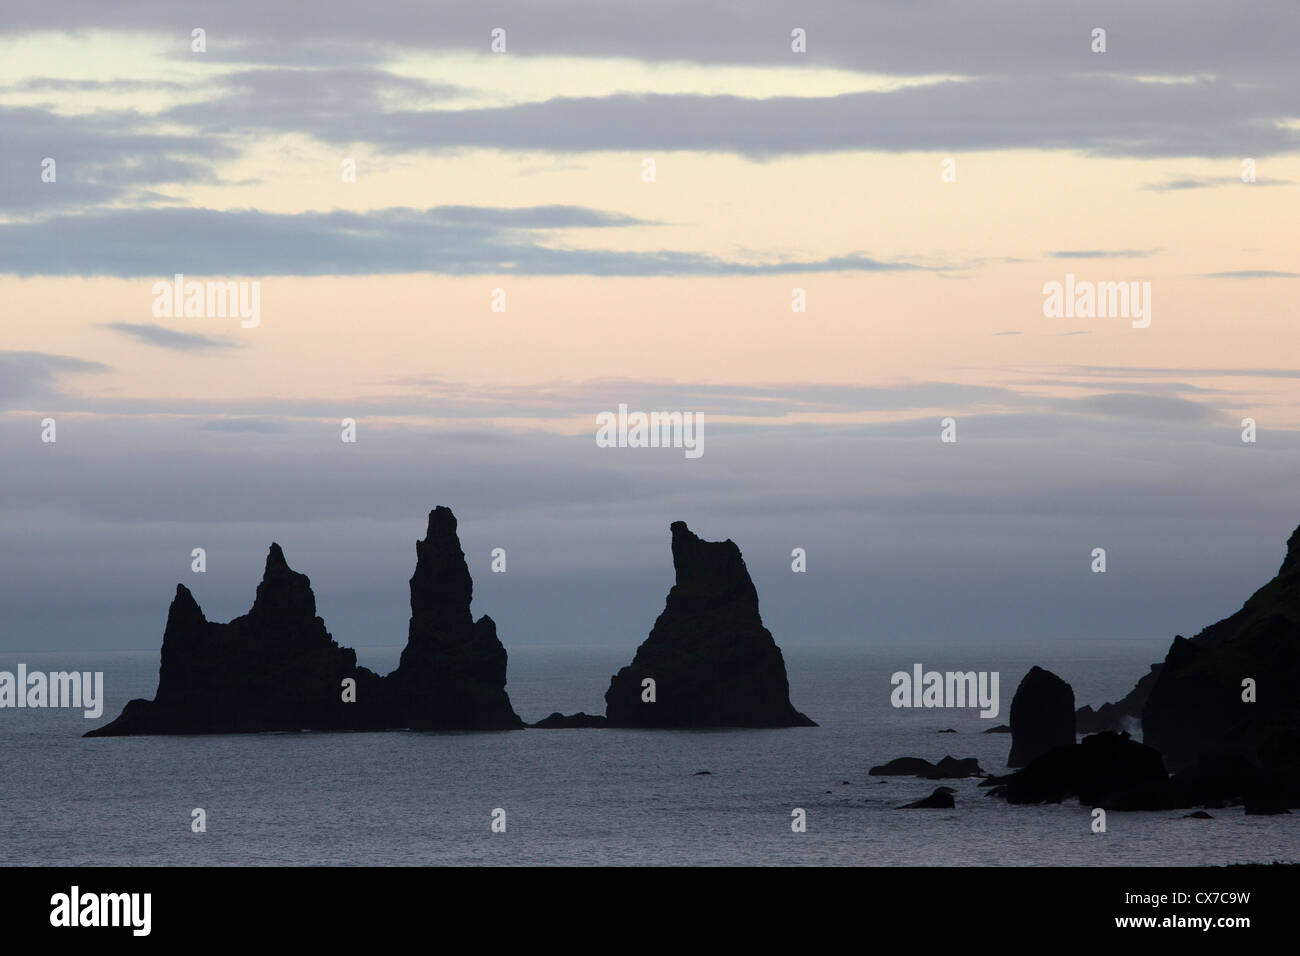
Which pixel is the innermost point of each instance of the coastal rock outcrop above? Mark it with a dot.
(1042, 716)
(1106, 770)
(452, 674)
(277, 667)
(274, 668)
(711, 660)
(1229, 698)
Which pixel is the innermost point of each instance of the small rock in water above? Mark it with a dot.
(941, 799)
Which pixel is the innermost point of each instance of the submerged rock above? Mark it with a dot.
(949, 768)
(941, 799)
(711, 660)
(902, 767)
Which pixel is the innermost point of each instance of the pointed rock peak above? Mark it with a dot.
(284, 597)
(184, 602)
(184, 615)
(275, 562)
(441, 587)
(712, 566)
(1292, 560)
(442, 523)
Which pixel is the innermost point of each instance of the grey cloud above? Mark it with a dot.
(1155, 37)
(1110, 371)
(166, 338)
(1102, 253)
(1251, 274)
(884, 512)
(445, 240)
(98, 158)
(29, 375)
(1097, 113)
(1137, 405)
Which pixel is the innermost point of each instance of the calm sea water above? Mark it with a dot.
(584, 796)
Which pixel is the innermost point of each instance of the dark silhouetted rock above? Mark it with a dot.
(1216, 782)
(274, 668)
(1106, 770)
(1042, 716)
(949, 768)
(1198, 815)
(1191, 706)
(277, 668)
(941, 799)
(452, 674)
(902, 767)
(948, 731)
(561, 721)
(999, 729)
(713, 662)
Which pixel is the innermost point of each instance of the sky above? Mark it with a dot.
(627, 206)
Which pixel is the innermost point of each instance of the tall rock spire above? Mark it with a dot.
(712, 661)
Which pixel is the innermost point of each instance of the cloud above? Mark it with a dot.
(1102, 114)
(1111, 371)
(1186, 182)
(1102, 253)
(166, 338)
(99, 158)
(1137, 405)
(30, 375)
(449, 240)
(1251, 274)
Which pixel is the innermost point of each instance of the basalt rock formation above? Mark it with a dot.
(452, 674)
(1106, 770)
(278, 668)
(274, 668)
(1042, 716)
(712, 661)
(1193, 706)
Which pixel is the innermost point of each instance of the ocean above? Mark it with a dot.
(578, 797)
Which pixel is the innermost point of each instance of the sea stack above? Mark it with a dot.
(1042, 716)
(452, 674)
(711, 660)
(277, 668)
(274, 668)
